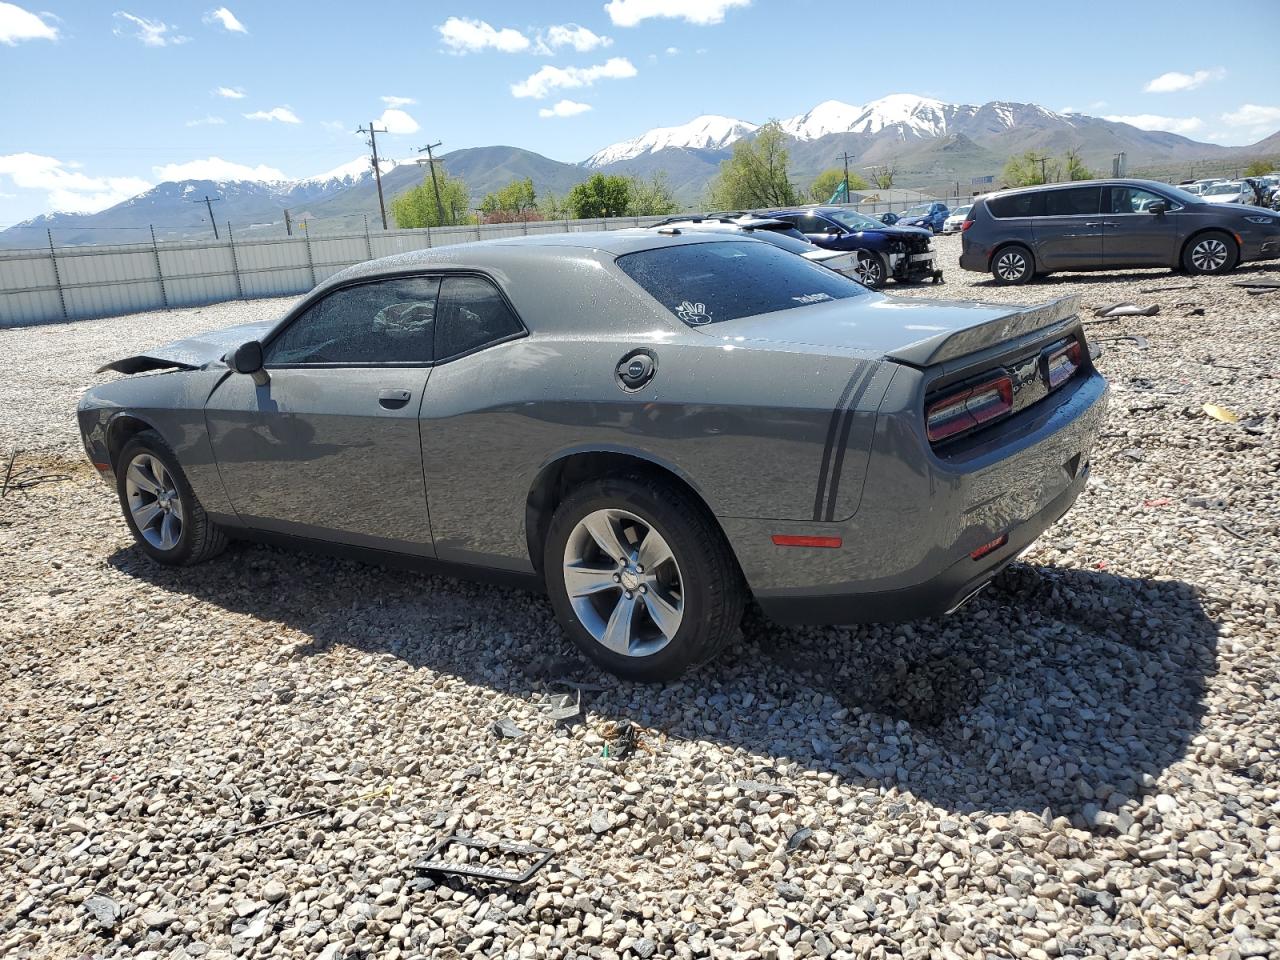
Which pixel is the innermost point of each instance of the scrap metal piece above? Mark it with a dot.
(536, 858)
(505, 728)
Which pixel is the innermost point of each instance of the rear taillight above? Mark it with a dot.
(968, 407)
(1062, 364)
(966, 225)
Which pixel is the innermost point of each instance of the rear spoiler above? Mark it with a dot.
(1018, 322)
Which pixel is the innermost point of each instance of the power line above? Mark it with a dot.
(208, 201)
(377, 173)
(435, 184)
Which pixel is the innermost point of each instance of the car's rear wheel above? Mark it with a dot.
(1212, 252)
(641, 578)
(1012, 265)
(870, 270)
(162, 511)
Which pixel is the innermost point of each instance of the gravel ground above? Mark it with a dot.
(1082, 762)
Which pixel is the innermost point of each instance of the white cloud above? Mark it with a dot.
(1253, 121)
(627, 13)
(231, 93)
(226, 19)
(150, 33)
(571, 35)
(1151, 121)
(399, 101)
(66, 188)
(17, 25)
(672, 51)
(550, 78)
(464, 35)
(209, 121)
(398, 122)
(1175, 82)
(215, 168)
(283, 114)
(565, 108)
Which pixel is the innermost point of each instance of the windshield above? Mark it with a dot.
(918, 211)
(962, 211)
(784, 240)
(1180, 195)
(854, 221)
(1221, 188)
(702, 283)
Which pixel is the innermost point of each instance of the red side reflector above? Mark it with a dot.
(102, 467)
(986, 548)
(785, 540)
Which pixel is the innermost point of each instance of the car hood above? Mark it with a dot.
(916, 332)
(191, 353)
(901, 230)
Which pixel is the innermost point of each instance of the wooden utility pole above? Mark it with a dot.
(377, 173)
(846, 158)
(1044, 176)
(208, 201)
(435, 184)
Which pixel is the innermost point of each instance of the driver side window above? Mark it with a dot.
(387, 321)
(1132, 200)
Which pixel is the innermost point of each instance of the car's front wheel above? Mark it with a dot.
(1011, 266)
(162, 511)
(641, 577)
(870, 269)
(1212, 252)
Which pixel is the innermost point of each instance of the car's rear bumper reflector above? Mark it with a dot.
(787, 540)
(986, 548)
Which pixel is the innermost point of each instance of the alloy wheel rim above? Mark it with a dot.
(1209, 255)
(154, 502)
(623, 582)
(1010, 266)
(868, 271)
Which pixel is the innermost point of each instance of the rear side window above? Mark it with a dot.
(388, 321)
(703, 283)
(1017, 205)
(1075, 202)
(472, 315)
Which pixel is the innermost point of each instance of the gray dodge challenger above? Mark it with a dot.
(652, 428)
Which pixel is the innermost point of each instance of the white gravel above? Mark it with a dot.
(1082, 762)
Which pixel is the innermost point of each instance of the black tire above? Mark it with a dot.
(1212, 252)
(200, 538)
(871, 271)
(711, 583)
(1012, 265)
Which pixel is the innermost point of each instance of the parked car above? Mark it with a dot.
(651, 427)
(932, 216)
(903, 253)
(956, 218)
(1233, 191)
(1110, 224)
(778, 232)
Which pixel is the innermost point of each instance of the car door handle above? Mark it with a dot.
(393, 399)
(1093, 223)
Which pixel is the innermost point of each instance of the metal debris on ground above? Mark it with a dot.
(26, 477)
(1132, 310)
(1138, 341)
(623, 737)
(564, 708)
(756, 786)
(1259, 284)
(798, 839)
(462, 856)
(1176, 286)
(505, 728)
(258, 827)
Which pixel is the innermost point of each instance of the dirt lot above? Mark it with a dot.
(1083, 762)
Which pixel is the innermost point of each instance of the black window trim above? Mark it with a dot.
(437, 274)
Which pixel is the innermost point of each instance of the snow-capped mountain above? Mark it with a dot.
(709, 132)
(352, 171)
(830, 116)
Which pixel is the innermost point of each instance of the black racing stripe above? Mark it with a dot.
(845, 427)
(832, 430)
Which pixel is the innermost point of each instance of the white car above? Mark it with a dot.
(953, 222)
(1234, 191)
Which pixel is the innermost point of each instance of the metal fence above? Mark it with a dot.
(53, 284)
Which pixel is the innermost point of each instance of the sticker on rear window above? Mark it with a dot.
(695, 313)
(812, 298)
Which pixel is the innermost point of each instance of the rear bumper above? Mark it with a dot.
(907, 550)
(934, 597)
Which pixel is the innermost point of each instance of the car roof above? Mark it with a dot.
(487, 255)
(1116, 182)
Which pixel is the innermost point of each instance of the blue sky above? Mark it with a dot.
(100, 101)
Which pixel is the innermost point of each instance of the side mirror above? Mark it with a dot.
(1158, 208)
(248, 359)
(833, 231)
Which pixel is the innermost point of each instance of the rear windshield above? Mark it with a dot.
(705, 283)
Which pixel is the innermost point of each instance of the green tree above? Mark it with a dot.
(652, 197)
(1026, 170)
(756, 174)
(1258, 168)
(518, 196)
(417, 207)
(601, 196)
(828, 182)
(551, 207)
(1076, 170)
